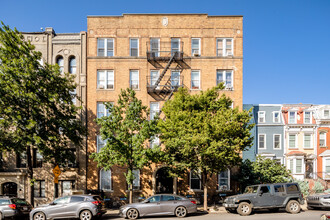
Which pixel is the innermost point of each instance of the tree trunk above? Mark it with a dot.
(30, 173)
(204, 174)
(131, 193)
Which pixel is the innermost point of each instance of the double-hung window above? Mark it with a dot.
(154, 47)
(195, 79)
(60, 62)
(224, 180)
(327, 165)
(323, 142)
(39, 188)
(105, 180)
(195, 180)
(175, 45)
(292, 117)
(37, 158)
(307, 118)
(154, 75)
(154, 109)
(134, 79)
(100, 143)
(276, 117)
(262, 141)
(225, 76)
(105, 47)
(136, 180)
(224, 47)
(105, 79)
(134, 47)
(261, 117)
(296, 165)
(292, 141)
(72, 65)
(175, 78)
(277, 141)
(308, 141)
(102, 110)
(326, 113)
(195, 46)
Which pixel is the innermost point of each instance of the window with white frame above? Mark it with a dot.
(102, 110)
(155, 46)
(292, 141)
(195, 46)
(134, 47)
(323, 141)
(105, 79)
(195, 79)
(261, 117)
(134, 79)
(296, 165)
(154, 142)
(277, 141)
(175, 45)
(326, 165)
(195, 180)
(276, 117)
(154, 75)
(225, 76)
(72, 65)
(175, 78)
(262, 141)
(60, 62)
(326, 114)
(292, 117)
(136, 180)
(154, 109)
(307, 118)
(308, 141)
(100, 143)
(105, 47)
(224, 180)
(105, 180)
(224, 47)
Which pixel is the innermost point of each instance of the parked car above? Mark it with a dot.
(76, 206)
(269, 196)
(14, 207)
(318, 201)
(160, 204)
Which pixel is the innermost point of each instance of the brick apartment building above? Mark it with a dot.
(155, 54)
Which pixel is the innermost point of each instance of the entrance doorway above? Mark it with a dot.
(164, 183)
(9, 189)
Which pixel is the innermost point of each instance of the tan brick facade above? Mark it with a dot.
(165, 27)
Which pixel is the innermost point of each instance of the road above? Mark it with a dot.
(259, 215)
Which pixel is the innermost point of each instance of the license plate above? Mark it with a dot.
(25, 208)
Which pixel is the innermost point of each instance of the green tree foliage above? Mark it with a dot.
(318, 187)
(262, 171)
(35, 103)
(127, 130)
(202, 132)
(304, 187)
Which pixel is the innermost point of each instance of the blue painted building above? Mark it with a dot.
(250, 153)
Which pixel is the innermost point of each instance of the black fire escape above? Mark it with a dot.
(163, 56)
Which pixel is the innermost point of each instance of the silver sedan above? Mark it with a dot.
(160, 204)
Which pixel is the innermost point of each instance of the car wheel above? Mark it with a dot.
(293, 207)
(132, 214)
(244, 208)
(180, 212)
(85, 215)
(39, 216)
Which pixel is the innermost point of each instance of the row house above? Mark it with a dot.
(155, 54)
(68, 50)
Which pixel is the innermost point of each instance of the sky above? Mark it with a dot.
(286, 43)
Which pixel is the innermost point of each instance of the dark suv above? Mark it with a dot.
(270, 196)
(14, 207)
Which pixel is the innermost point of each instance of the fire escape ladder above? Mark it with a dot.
(165, 70)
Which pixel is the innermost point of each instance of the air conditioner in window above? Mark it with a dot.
(101, 86)
(196, 54)
(229, 54)
(228, 87)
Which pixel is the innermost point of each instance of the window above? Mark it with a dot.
(195, 46)
(154, 109)
(102, 110)
(105, 47)
(225, 76)
(21, 160)
(326, 114)
(136, 180)
(71, 161)
(60, 62)
(154, 142)
(105, 180)
(39, 188)
(296, 165)
(224, 47)
(261, 117)
(72, 65)
(195, 79)
(134, 79)
(279, 188)
(323, 142)
(62, 200)
(134, 47)
(175, 45)
(277, 141)
(77, 199)
(154, 199)
(276, 117)
(154, 47)
(195, 180)
(167, 198)
(307, 117)
(100, 143)
(37, 158)
(224, 180)
(292, 117)
(66, 187)
(327, 165)
(265, 189)
(262, 141)
(307, 141)
(175, 78)
(292, 141)
(154, 75)
(74, 96)
(105, 79)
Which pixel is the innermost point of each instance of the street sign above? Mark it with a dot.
(57, 171)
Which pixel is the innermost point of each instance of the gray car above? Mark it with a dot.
(84, 207)
(14, 207)
(318, 201)
(160, 204)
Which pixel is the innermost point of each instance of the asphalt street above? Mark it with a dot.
(259, 215)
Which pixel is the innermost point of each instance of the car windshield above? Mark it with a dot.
(251, 189)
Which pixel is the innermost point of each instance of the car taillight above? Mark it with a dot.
(193, 201)
(12, 206)
(96, 202)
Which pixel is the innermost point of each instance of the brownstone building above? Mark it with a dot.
(155, 54)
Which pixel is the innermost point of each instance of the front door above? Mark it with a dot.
(164, 182)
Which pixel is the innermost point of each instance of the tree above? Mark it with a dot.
(35, 104)
(127, 130)
(203, 133)
(262, 171)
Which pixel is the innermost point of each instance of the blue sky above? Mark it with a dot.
(286, 42)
